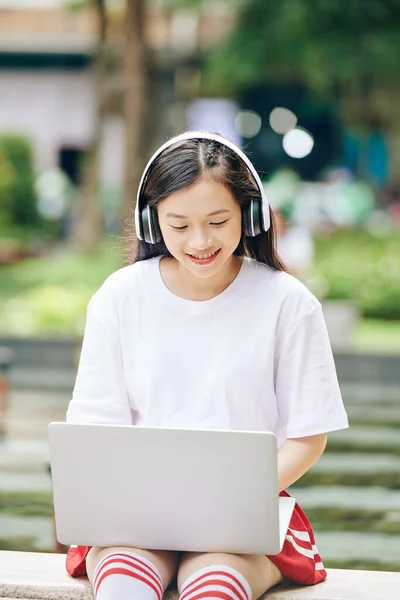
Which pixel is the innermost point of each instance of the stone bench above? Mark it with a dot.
(37, 576)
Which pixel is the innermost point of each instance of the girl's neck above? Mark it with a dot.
(182, 283)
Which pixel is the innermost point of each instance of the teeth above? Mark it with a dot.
(203, 256)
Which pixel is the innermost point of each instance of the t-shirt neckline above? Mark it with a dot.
(196, 306)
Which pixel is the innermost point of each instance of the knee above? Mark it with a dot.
(164, 562)
(96, 555)
(221, 573)
(192, 562)
(237, 576)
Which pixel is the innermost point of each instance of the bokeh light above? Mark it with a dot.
(248, 123)
(298, 142)
(282, 120)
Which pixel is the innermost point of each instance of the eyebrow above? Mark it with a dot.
(212, 214)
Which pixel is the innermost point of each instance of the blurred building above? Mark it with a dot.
(47, 91)
(47, 88)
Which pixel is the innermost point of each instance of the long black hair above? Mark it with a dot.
(181, 166)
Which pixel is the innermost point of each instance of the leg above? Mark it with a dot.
(120, 572)
(252, 575)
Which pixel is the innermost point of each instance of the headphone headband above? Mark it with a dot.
(202, 135)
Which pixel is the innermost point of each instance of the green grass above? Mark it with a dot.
(361, 267)
(380, 420)
(362, 565)
(26, 504)
(377, 335)
(18, 544)
(362, 446)
(389, 480)
(360, 519)
(49, 295)
(68, 267)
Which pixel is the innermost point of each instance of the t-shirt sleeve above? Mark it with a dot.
(100, 395)
(307, 390)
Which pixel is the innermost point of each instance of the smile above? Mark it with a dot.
(204, 259)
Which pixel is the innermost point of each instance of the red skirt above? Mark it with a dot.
(298, 561)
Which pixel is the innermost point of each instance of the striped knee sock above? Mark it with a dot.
(216, 582)
(125, 575)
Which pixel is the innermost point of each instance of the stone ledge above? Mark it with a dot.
(36, 576)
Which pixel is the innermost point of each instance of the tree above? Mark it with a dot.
(319, 40)
(135, 102)
(347, 49)
(134, 92)
(89, 229)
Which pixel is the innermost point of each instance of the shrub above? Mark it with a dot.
(358, 266)
(7, 176)
(17, 182)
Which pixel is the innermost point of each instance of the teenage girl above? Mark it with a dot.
(207, 330)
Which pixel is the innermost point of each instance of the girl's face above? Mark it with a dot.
(201, 226)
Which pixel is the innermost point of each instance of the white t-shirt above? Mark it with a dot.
(255, 357)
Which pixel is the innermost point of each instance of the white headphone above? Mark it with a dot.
(255, 216)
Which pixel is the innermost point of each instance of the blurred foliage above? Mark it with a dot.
(323, 42)
(377, 335)
(26, 504)
(386, 479)
(362, 565)
(7, 175)
(381, 420)
(366, 445)
(49, 295)
(354, 519)
(19, 544)
(76, 5)
(358, 266)
(17, 176)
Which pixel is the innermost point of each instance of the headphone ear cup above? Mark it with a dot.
(246, 220)
(155, 225)
(252, 219)
(148, 225)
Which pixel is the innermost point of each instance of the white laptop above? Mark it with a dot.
(167, 489)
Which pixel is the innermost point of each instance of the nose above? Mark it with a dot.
(200, 239)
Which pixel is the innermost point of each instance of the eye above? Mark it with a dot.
(179, 228)
(219, 223)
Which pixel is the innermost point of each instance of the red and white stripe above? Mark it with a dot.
(302, 542)
(130, 565)
(217, 582)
